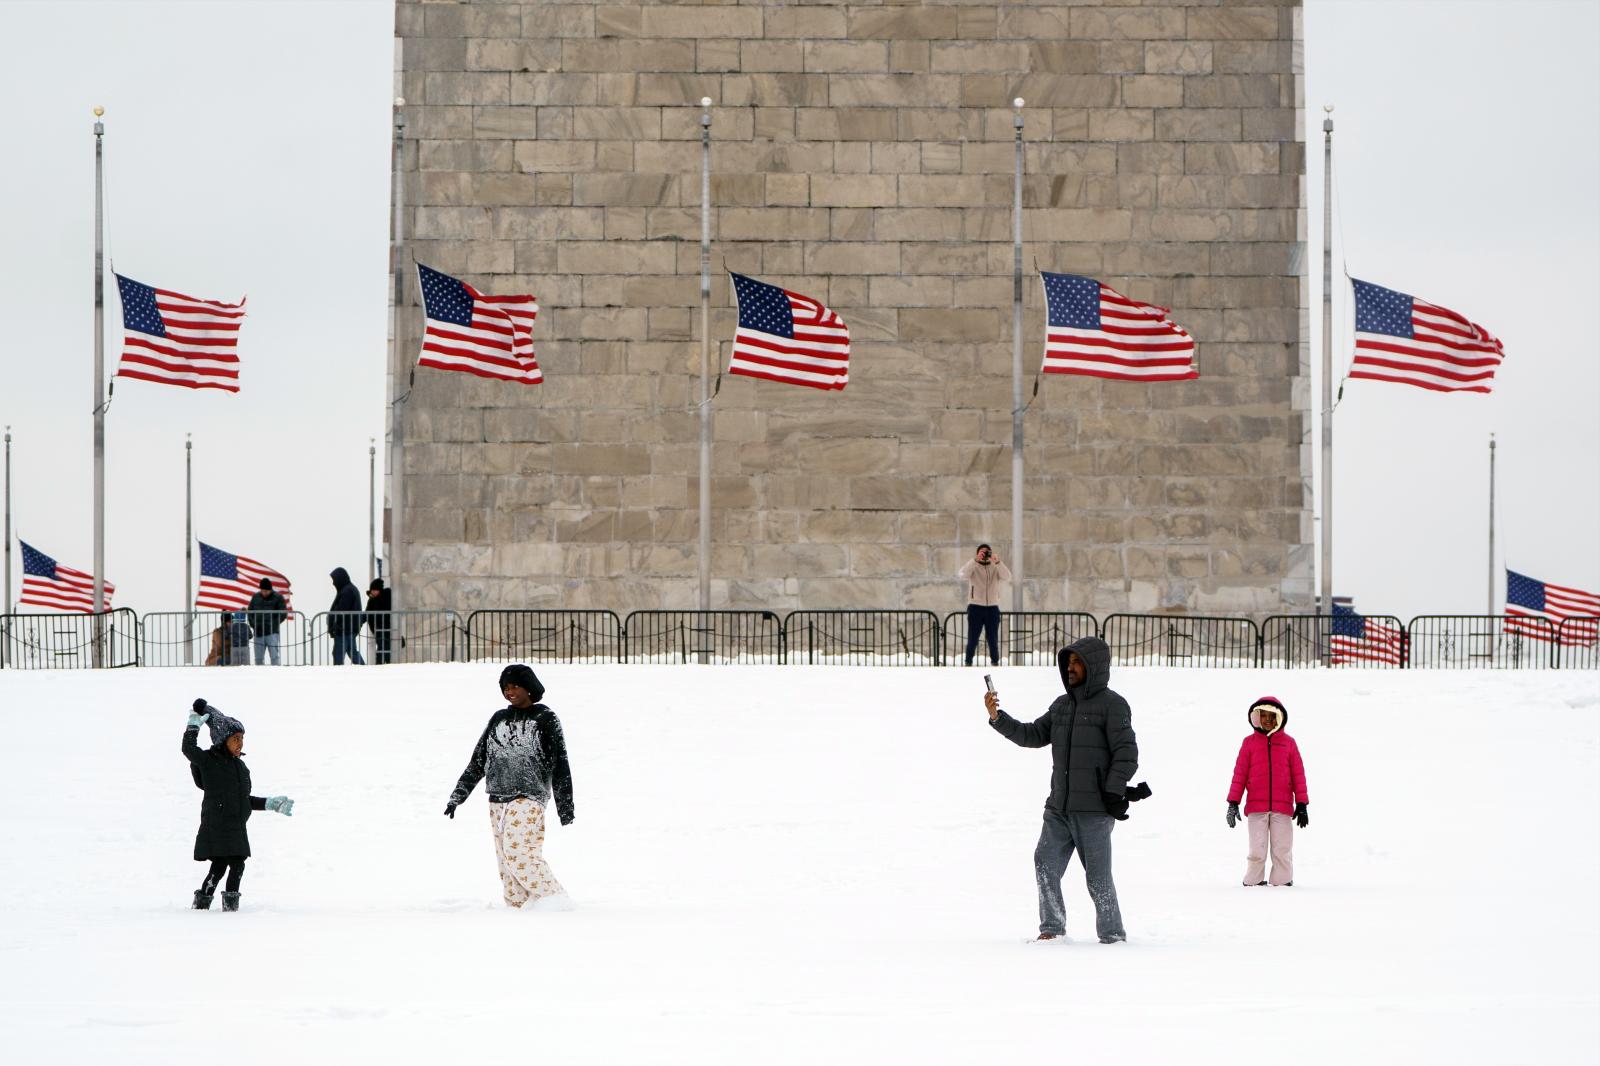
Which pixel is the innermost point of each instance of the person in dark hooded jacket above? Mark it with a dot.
(524, 756)
(219, 771)
(1094, 755)
(344, 618)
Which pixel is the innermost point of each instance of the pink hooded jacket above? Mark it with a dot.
(1269, 767)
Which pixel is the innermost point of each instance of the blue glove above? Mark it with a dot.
(196, 721)
(282, 804)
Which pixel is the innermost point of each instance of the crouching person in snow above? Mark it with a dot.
(1269, 771)
(524, 756)
(220, 772)
(1090, 734)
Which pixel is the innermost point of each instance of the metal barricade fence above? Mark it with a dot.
(1578, 643)
(1026, 638)
(204, 638)
(1301, 640)
(70, 641)
(388, 637)
(702, 637)
(544, 636)
(1488, 642)
(1181, 640)
(863, 638)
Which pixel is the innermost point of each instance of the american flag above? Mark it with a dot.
(1355, 636)
(228, 581)
(178, 340)
(1095, 330)
(490, 336)
(46, 583)
(1529, 598)
(783, 336)
(1403, 339)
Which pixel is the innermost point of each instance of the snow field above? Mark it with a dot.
(799, 864)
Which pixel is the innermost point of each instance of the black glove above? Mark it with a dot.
(450, 810)
(1116, 805)
(567, 819)
(1135, 793)
(1233, 815)
(1301, 818)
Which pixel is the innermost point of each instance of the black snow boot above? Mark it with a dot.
(202, 900)
(230, 901)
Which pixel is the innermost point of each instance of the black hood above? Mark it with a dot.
(1096, 658)
(522, 676)
(341, 577)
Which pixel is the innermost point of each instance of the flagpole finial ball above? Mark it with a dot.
(1017, 102)
(1328, 108)
(705, 101)
(399, 101)
(99, 111)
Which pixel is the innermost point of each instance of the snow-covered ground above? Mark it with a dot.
(793, 864)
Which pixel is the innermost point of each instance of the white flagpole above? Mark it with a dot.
(1492, 574)
(188, 549)
(99, 385)
(5, 608)
(1326, 607)
(399, 364)
(1016, 371)
(705, 353)
(372, 509)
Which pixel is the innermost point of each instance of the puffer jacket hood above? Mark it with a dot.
(1275, 704)
(1096, 656)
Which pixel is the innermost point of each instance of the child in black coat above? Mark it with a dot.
(219, 771)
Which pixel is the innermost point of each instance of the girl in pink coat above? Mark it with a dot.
(1270, 773)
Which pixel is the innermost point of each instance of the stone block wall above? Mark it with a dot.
(862, 153)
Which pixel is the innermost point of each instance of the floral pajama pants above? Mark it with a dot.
(519, 846)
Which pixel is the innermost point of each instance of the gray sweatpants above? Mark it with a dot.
(1090, 835)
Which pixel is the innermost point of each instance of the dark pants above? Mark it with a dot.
(380, 640)
(988, 620)
(345, 644)
(233, 865)
(1090, 835)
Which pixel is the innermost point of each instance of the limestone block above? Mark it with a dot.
(884, 560)
(1233, 90)
(1234, 24)
(942, 124)
(436, 53)
(890, 90)
(942, 324)
(1198, 124)
(845, 56)
(551, 90)
(972, 56)
(1251, 57)
(1138, 24)
(1270, 124)
(440, 123)
(622, 54)
(1178, 57)
(910, 57)
(503, 54)
(1121, 124)
(697, 23)
(900, 24)
(1057, 56)
(1222, 158)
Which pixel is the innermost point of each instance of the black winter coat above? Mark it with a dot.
(266, 612)
(227, 804)
(345, 614)
(1090, 733)
(378, 608)
(523, 753)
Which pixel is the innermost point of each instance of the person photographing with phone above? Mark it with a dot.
(1089, 730)
(984, 574)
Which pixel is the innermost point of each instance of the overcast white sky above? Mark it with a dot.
(1467, 169)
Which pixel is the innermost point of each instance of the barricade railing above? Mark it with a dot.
(207, 638)
(863, 638)
(387, 637)
(1181, 640)
(1488, 642)
(1578, 643)
(544, 636)
(70, 641)
(1026, 638)
(1372, 641)
(702, 637)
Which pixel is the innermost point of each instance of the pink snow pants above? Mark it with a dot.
(1278, 829)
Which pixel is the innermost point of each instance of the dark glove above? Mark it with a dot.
(450, 810)
(1116, 805)
(1233, 815)
(567, 819)
(1135, 793)
(1301, 818)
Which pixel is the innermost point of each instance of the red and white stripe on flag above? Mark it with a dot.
(1094, 330)
(69, 590)
(1409, 341)
(784, 336)
(466, 330)
(175, 339)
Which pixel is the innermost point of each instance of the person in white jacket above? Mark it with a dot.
(984, 575)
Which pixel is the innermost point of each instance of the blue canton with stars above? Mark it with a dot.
(1381, 310)
(217, 563)
(444, 298)
(1347, 623)
(36, 562)
(1524, 591)
(763, 307)
(139, 310)
(1074, 300)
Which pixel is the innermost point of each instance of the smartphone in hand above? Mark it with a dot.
(988, 682)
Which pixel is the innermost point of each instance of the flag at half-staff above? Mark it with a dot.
(1549, 612)
(174, 339)
(227, 581)
(466, 330)
(46, 583)
(784, 336)
(1354, 637)
(1408, 341)
(1093, 329)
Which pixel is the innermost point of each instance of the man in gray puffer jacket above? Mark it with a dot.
(524, 756)
(1090, 733)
